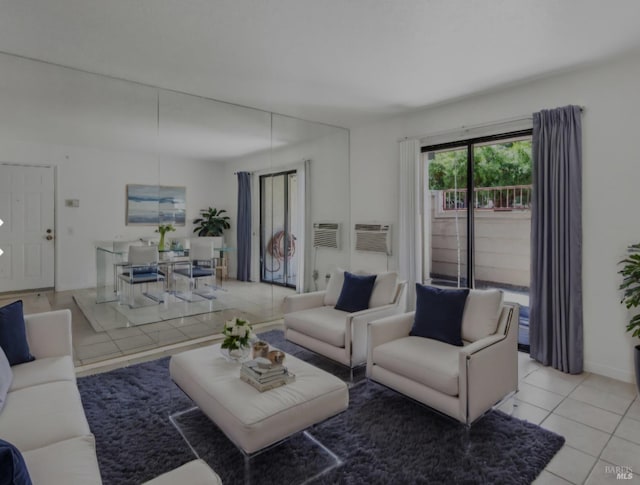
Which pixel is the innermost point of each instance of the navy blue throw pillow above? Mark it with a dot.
(13, 470)
(13, 336)
(356, 292)
(439, 314)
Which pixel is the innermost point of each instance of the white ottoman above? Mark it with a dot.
(251, 419)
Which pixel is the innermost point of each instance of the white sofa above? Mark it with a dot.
(44, 418)
(461, 382)
(310, 319)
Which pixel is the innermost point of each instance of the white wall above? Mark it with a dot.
(611, 171)
(98, 178)
(100, 134)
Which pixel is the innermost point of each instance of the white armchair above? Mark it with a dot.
(310, 319)
(461, 382)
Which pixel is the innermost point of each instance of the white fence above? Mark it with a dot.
(502, 242)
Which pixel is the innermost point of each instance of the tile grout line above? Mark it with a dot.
(611, 435)
(565, 444)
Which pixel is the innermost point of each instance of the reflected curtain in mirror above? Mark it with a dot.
(244, 226)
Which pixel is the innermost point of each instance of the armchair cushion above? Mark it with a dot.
(6, 377)
(481, 314)
(356, 292)
(330, 331)
(42, 371)
(384, 289)
(429, 362)
(13, 335)
(439, 314)
(334, 287)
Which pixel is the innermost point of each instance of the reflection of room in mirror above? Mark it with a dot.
(118, 133)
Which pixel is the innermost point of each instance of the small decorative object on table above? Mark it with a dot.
(276, 357)
(238, 335)
(264, 375)
(163, 229)
(260, 349)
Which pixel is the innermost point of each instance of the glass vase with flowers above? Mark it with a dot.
(238, 335)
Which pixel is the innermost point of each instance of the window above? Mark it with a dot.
(489, 245)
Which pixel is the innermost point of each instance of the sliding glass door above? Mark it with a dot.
(488, 246)
(278, 228)
(448, 180)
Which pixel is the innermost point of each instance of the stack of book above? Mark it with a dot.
(265, 378)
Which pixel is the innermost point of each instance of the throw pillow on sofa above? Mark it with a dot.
(384, 290)
(481, 314)
(6, 378)
(356, 292)
(334, 287)
(13, 335)
(12, 466)
(439, 313)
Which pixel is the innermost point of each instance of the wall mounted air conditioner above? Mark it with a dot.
(326, 235)
(374, 238)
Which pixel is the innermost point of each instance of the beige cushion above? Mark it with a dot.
(41, 371)
(196, 472)
(382, 294)
(38, 416)
(6, 377)
(384, 289)
(481, 314)
(323, 323)
(334, 287)
(66, 462)
(251, 419)
(429, 362)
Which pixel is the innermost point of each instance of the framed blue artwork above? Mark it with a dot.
(151, 205)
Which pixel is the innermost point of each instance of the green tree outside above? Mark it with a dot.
(495, 165)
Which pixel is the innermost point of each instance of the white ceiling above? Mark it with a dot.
(343, 62)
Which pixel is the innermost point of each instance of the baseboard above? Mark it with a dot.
(608, 371)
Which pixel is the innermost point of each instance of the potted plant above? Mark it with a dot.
(212, 222)
(163, 229)
(631, 296)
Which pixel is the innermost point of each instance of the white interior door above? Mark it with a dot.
(27, 234)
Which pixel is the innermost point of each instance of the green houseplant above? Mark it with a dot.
(631, 296)
(211, 222)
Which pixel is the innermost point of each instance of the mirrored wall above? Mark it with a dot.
(103, 135)
(298, 172)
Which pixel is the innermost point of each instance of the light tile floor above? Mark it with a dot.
(599, 417)
(256, 302)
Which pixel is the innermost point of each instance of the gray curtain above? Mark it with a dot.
(244, 226)
(555, 326)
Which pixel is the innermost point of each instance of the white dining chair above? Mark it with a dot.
(201, 266)
(142, 269)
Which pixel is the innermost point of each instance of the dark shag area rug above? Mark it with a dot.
(383, 438)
